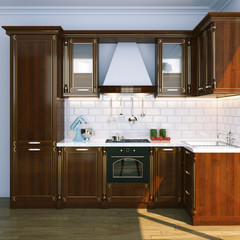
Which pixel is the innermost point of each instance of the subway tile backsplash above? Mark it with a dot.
(182, 117)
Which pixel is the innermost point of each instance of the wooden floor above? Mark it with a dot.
(107, 224)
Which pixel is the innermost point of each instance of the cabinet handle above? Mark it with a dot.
(208, 86)
(187, 152)
(172, 89)
(33, 143)
(82, 90)
(187, 172)
(34, 149)
(188, 193)
(200, 89)
(168, 149)
(82, 149)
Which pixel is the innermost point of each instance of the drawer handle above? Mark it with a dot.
(187, 152)
(82, 149)
(34, 149)
(188, 193)
(200, 89)
(172, 89)
(33, 143)
(208, 86)
(168, 149)
(187, 172)
(82, 90)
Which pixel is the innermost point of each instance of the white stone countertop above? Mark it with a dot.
(172, 143)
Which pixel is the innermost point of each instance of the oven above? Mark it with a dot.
(128, 164)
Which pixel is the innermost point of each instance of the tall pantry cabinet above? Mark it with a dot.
(36, 70)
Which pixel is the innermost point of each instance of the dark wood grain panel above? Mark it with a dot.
(217, 188)
(128, 195)
(33, 87)
(227, 55)
(82, 177)
(167, 177)
(33, 178)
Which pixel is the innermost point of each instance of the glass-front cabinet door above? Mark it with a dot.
(171, 66)
(80, 68)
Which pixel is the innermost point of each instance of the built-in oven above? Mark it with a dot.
(128, 164)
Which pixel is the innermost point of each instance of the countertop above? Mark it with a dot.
(172, 143)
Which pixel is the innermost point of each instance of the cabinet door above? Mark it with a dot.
(171, 66)
(189, 182)
(33, 87)
(206, 62)
(202, 62)
(82, 177)
(227, 45)
(33, 177)
(167, 177)
(80, 59)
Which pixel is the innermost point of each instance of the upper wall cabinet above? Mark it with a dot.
(216, 54)
(171, 63)
(80, 68)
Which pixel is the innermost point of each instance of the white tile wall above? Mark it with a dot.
(229, 117)
(183, 118)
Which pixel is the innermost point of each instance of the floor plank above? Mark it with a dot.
(110, 224)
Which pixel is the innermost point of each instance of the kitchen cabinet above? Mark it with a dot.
(211, 187)
(127, 195)
(81, 177)
(33, 177)
(217, 189)
(80, 67)
(35, 68)
(167, 177)
(171, 65)
(189, 172)
(216, 62)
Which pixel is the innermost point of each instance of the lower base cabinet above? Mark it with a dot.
(167, 180)
(217, 189)
(81, 177)
(33, 177)
(127, 195)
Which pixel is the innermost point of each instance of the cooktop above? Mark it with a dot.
(128, 141)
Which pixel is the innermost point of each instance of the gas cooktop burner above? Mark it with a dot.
(129, 141)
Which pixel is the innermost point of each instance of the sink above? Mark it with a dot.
(209, 144)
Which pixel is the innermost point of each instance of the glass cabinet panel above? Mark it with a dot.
(171, 53)
(172, 65)
(80, 67)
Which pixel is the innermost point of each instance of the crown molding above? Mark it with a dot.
(104, 10)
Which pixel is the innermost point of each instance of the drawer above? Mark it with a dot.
(35, 143)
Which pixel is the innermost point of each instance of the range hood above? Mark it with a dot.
(127, 72)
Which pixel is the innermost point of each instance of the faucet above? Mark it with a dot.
(230, 139)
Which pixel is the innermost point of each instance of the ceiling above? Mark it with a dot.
(173, 5)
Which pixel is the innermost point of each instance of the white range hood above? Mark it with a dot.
(127, 71)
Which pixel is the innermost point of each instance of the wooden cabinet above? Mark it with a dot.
(80, 67)
(171, 65)
(33, 177)
(215, 55)
(35, 69)
(82, 177)
(211, 187)
(217, 189)
(189, 190)
(127, 195)
(167, 177)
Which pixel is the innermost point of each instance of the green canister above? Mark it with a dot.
(162, 133)
(153, 133)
